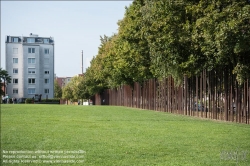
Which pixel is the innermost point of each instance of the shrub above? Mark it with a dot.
(29, 101)
(50, 100)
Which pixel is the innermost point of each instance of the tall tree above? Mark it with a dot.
(222, 34)
(67, 92)
(161, 38)
(168, 36)
(132, 52)
(77, 85)
(98, 75)
(57, 90)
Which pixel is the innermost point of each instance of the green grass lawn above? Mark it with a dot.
(111, 135)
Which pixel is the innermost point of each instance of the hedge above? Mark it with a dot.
(29, 101)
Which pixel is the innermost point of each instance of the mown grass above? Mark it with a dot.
(123, 136)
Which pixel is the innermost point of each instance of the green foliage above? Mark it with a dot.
(132, 49)
(75, 89)
(57, 90)
(99, 75)
(50, 100)
(29, 101)
(67, 92)
(221, 34)
(156, 39)
(167, 37)
(4, 79)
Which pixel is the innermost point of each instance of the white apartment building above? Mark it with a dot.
(30, 63)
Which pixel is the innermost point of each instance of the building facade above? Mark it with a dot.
(63, 81)
(30, 63)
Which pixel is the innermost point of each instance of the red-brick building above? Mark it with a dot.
(62, 81)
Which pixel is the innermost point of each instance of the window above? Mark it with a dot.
(15, 40)
(46, 80)
(15, 50)
(15, 71)
(15, 60)
(32, 80)
(30, 40)
(46, 51)
(46, 40)
(15, 81)
(31, 60)
(46, 90)
(31, 90)
(31, 50)
(15, 91)
(46, 72)
(31, 71)
(46, 61)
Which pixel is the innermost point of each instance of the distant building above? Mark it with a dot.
(63, 81)
(30, 63)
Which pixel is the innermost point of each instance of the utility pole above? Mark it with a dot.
(82, 61)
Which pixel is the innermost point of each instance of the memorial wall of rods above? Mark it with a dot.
(213, 95)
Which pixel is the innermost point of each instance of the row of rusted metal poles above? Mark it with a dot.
(213, 95)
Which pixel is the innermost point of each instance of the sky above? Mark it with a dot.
(76, 26)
